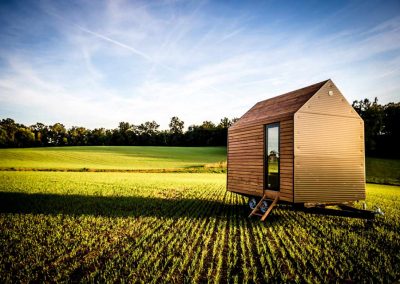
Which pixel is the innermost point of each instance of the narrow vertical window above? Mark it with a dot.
(272, 156)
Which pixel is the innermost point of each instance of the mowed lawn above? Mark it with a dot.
(383, 170)
(386, 171)
(111, 157)
(181, 227)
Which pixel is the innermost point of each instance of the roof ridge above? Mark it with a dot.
(297, 90)
(279, 106)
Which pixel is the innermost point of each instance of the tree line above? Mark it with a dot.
(14, 134)
(381, 122)
(381, 127)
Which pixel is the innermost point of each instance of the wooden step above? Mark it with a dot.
(270, 208)
(267, 195)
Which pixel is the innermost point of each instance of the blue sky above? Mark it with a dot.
(96, 63)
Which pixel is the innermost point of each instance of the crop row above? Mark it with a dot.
(181, 228)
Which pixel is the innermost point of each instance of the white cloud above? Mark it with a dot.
(138, 62)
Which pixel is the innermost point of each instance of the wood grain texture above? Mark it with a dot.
(246, 160)
(276, 109)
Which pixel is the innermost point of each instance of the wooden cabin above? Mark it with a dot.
(306, 146)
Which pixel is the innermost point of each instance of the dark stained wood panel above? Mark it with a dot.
(253, 133)
(246, 159)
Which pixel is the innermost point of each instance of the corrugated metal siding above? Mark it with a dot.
(328, 149)
(246, 159)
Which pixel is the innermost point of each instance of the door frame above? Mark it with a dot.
(265, 160)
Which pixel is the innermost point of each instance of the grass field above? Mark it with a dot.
(386, 171)
(177, 227)
(110, 157)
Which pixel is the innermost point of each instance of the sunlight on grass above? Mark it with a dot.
(102, 227)
(111, 157)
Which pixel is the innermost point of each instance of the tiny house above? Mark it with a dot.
(305, 146)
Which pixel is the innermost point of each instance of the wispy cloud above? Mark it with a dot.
(134, 50)
(97, 64)
(231, 34)
(113, 41)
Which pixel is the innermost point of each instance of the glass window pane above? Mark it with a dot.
(272, 156)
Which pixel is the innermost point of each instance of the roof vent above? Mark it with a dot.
(330, 93)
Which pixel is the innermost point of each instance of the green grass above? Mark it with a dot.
(176, 227)
(386, 171)
(148, 159)
(111, 157)
(181, 227)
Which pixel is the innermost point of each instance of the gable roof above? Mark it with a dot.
(278, 107)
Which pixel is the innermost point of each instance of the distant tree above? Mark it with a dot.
(125, 134)
(175, 135)
(10, 127)
(41, 132)
(98, 136)
(193, 136)
(176, 125)
(108, 138)
(24, 137)
(78, 136)
(225, 123)
(391, 140)
(381, 132)
(380, 127)
(3, 137)
(163, 138)
(208, 125)
(372, 114)
(221, 136)
(203, 135)
(58, 134)
(391, 120)
(148, 132)
(149, 127)
(124, 127)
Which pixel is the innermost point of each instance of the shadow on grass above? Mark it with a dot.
(117, 206)
(140, 206)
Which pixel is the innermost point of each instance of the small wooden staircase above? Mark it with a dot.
(268, 195)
